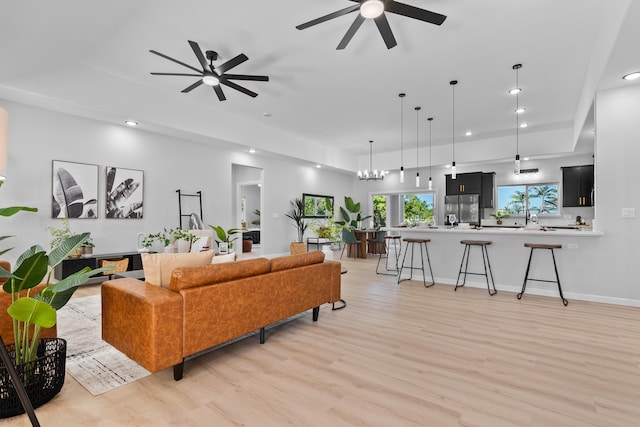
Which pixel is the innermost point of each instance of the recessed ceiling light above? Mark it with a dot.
(252, 150)
(524, 125)
(468, 133)
(266, 114)
(526, 158)
(130, 123)
(521, 110)
(632, 76)
(318, 166)
(515, 90)
(447, 166)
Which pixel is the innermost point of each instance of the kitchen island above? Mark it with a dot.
(509, 257)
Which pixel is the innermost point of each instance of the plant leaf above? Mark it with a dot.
(66, 247)
(33, 311)
(111, 176)
(67, 193)
(15, 209)
(28, 274)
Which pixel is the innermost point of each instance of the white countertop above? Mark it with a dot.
(499, 231)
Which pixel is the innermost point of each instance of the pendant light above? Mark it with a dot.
(402, 95)
(453, 84)
(371, 174)
(517, 91)
(430, 119)
(417, 134)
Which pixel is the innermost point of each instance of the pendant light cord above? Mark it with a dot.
(517, 114)
(430, 122)
(402, 95)
(417, 136)
(453, 84)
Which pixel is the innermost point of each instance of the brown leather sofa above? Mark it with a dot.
(209, 305)
(6, 322)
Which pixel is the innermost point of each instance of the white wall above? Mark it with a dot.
(617, 179)
(37, 136)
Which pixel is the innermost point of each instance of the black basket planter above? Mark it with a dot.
(43, 378)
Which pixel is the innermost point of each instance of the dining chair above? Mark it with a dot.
(349, 239)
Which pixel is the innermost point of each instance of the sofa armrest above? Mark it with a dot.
(143, 321)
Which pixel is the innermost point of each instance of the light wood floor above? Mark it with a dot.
(396, 356)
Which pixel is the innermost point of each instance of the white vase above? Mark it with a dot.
(183, 246)
(170, 249)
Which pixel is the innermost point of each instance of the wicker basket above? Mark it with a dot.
(44, 377)
(297, 248)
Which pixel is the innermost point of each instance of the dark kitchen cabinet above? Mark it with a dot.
(465, 183)
(577, 186)
(488, 179)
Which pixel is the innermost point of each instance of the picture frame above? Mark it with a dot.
(124, 193)
(317, 206)
(74, 190)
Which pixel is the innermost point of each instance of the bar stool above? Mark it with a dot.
(482, 244)
(388, 241)
(419, 243)
(550, 247)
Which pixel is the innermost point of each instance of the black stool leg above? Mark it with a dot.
(526, 275)
(433, 282)
(464, 253)
(564, 300)
(406, 249)
(487, 263)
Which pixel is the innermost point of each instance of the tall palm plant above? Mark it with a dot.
(296, 214)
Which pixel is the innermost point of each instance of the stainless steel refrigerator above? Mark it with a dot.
(466, 208)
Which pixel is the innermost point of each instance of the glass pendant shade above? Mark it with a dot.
(430, 184)
(453, 84)
(401, 174)
(417, 179)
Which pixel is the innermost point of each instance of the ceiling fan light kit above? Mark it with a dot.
(376, 10)
(371, 8)
(211, 75)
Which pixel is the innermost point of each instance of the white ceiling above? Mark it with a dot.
(92, 59)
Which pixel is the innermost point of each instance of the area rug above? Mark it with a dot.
(96, 365)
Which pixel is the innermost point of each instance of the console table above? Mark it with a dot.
(69, 266)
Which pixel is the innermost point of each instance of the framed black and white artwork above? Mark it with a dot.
(124, 193)
(74, 190)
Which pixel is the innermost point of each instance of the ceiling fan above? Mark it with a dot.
(213, 76)
(375, 9)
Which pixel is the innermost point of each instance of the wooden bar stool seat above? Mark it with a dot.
(420, 243)
(482, 244)
(549, 247)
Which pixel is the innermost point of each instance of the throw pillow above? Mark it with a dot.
(222, 258)
(158, 267)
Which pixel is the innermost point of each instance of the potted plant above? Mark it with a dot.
(500, 215)
(183, 239)
(39, 363)
(351, 214)
(225, 238)
(59, 235)
(166, 238)
(296, 214)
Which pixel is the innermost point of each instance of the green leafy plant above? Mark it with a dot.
(31, 268)
(296, 214)
(500, 214)
(35, 266)
(351, 213)
(327, 229)
(226, 235)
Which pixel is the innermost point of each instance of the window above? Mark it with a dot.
(539, 199)
(418, 207)
(393, 209)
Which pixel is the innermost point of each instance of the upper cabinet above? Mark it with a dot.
(465, 183)
(577, 186)
(488, 179)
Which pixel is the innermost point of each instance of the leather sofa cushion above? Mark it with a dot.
(191, 277)
(158, 267)
(298, 260)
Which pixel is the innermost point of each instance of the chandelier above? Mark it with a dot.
(371, 174)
